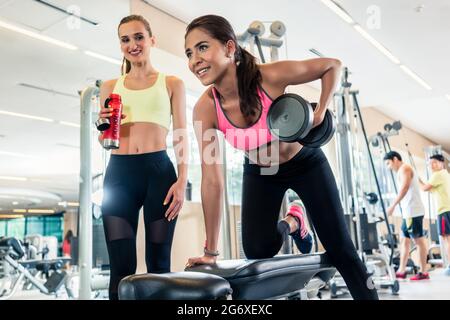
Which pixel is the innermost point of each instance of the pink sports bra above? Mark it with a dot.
(248, 138)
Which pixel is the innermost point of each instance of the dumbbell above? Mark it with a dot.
(371, 197)
(290, 119)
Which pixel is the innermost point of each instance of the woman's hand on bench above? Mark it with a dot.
(206, 259)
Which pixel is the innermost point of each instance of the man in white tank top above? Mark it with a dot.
(412, 210)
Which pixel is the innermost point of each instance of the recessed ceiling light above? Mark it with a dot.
(338, 10)
(36, 35)
(376, 44)
(40, 211)
(415, 77)
(11, 216)
(103, 57)
(13, 178)
(23, 115)
(70, 124)
(16, 154)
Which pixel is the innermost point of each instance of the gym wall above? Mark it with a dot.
(416, 141)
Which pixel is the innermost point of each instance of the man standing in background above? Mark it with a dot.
(439, 185)
(413, 212)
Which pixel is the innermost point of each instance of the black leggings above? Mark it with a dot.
(133, 181)
(310, 176)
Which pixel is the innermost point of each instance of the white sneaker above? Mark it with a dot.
(447, 271)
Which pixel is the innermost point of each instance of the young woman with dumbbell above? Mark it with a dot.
(237, 102)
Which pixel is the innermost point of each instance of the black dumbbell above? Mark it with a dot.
(290, 119)
(371, 197)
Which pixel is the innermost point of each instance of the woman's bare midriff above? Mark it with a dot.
(141, 137)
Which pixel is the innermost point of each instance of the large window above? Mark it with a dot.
(43, 225)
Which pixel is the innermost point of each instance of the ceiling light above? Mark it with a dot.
(20, 211)
(11, 216)
(338, 10)
(73, 204)
(377, 45)
(22, 115)
(40, 211)
(415, 77)
(13, 178)
(104, 58)
(36, 35)
(70, 124)
(447, 96)
(15, 154)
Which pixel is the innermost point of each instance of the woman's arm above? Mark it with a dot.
(180, 146)
(212, 187)
(284, 73)
(180, 134)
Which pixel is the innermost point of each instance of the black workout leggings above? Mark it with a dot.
(310, 176)
(133, 181)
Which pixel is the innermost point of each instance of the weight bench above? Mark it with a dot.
(11, 251)
(284, 276)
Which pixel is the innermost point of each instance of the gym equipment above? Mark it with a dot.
(253, 35)
(371, 197)
(111, 127)
(16, 271)
(355, 161)
(292, 277)
(290, 119)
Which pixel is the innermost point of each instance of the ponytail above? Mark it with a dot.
(126, 66)
(249, 79)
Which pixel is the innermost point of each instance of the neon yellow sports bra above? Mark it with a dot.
(146, 105)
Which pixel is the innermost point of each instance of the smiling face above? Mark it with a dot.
(135, 41)
(208, 58)
(436, 165)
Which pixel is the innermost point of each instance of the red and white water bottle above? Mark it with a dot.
(111, 127)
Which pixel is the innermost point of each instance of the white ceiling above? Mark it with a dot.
(419, 40)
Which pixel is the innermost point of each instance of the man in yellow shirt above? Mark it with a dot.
(439, 185)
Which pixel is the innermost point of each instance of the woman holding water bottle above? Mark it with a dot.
(139, 173)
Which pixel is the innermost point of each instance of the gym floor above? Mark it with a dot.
(437, 288)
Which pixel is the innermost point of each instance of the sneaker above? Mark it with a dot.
(420, 276)
(447, 271)
(400, 275)
(302, 238)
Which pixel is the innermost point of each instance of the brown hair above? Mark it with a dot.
(126, 65)
(248, 74)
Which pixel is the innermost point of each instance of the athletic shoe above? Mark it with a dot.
(400, 275)
(420, 276)
(302, 239)
(447, 271)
